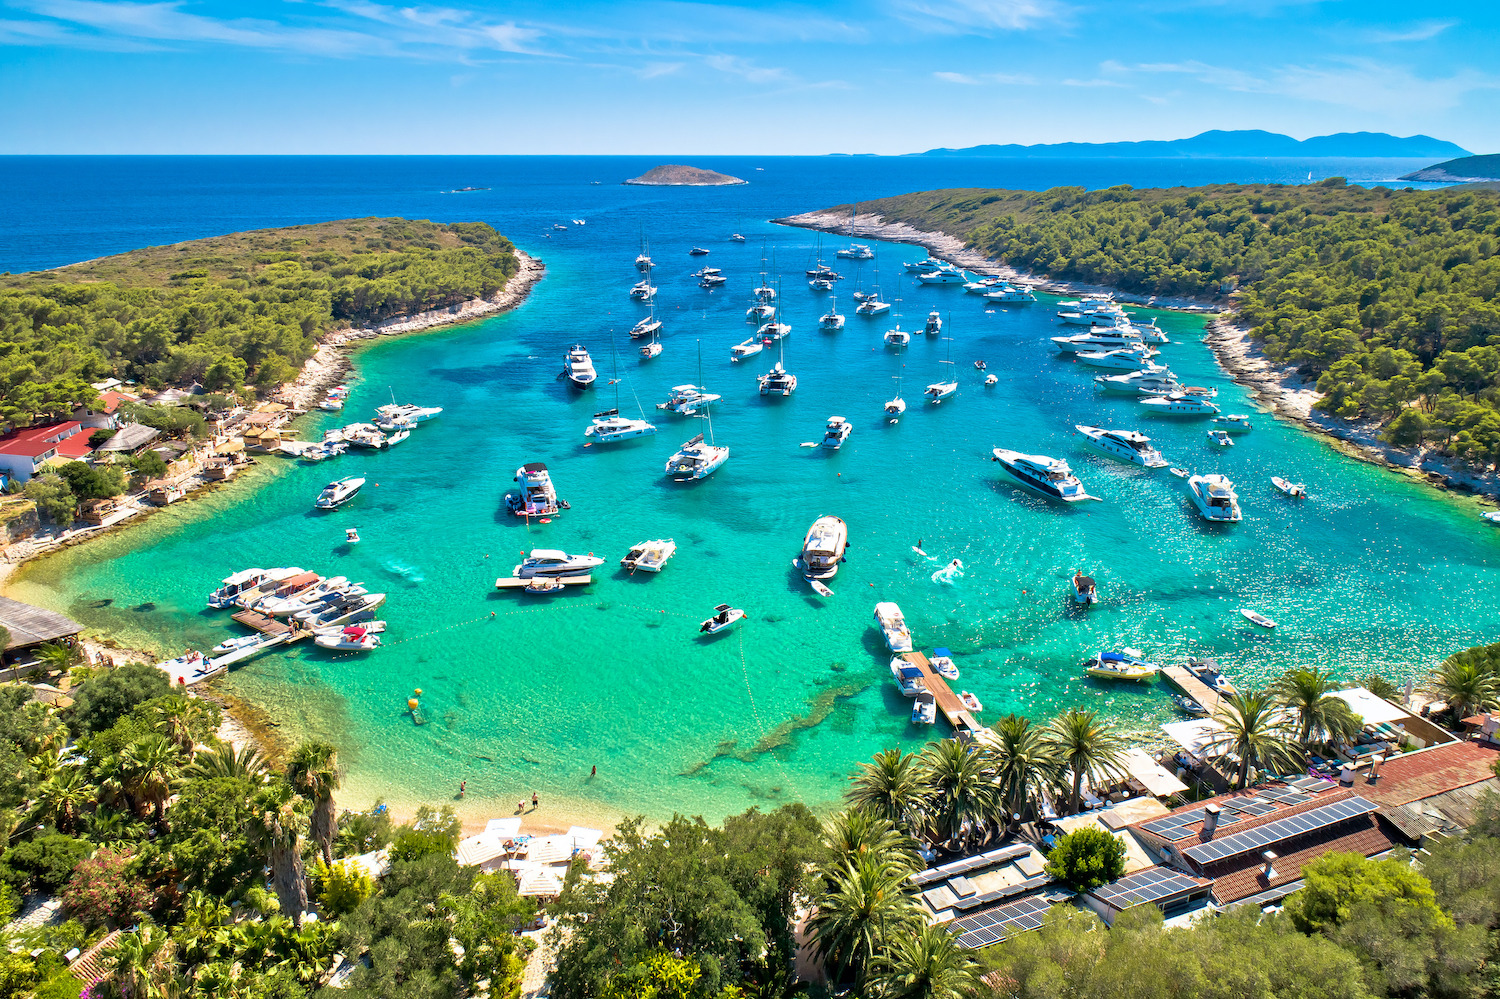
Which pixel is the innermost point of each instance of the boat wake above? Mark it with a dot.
(947, 574)
(410, 573)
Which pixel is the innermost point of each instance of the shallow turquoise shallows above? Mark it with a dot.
(526, 693)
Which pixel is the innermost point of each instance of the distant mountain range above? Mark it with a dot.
(1240, 144)
(1469, 168)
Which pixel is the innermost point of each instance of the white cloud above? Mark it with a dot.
(745, 69)
(979, 16)
(1096, 82)
(1420, 32)
(1004, 79)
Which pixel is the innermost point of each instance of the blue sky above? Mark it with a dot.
(883, 76)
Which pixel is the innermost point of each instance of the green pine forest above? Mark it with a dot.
(1387, 297)
(234, 313)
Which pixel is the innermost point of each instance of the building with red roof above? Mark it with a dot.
(23, 453)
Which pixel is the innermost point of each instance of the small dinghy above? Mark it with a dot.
(544, 584)
(351, 537)
(1188, 706)
(1254, 617)
(1220, 438)
(235, 644)
(991, 380)
(1296, 490)
(1493, 516)
(351, 639)
(970, 701)
(1181, 473)
(942, 662)
(980, 365)
(725, 617)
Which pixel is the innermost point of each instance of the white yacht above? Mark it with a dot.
(580, 367)
(749, 348)
(1140, 383)
(336, 494)
(774, 330)
(536, 497)
(1123, 359)
(1179, 405)
(647, 327)
(1221, 438)
(1234, 423)
(894, 408)
(897, 337)
(924, 709)
(610, 426)
(1051, 477)
(908, 678)
(836, 432)
(1100, 339)
(696, 460)
(872, 306)
(759, 312)
(231, 586)
(821, 284)
(551, 562)
(1215, 498)
(934, 323)
(651, 348)
(649, 556)
(943, 275)
(777, 381)
(405, 414)
(1012, 295)
(643, 290)
(687, 400)
(984, 285)
(831, 321)
(938, 391)
(856, 251)
(1150, 332)
(930, 264)
(365, 435)
(892, 624)
(1127, 445)
(823, 548)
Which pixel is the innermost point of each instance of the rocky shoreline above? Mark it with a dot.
(1283, 390)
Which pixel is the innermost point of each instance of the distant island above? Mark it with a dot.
(1217, 143)
(675, 175)
(1465, 169)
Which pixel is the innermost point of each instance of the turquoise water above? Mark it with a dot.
(525, 693)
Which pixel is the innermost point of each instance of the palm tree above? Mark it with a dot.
(1084, 745)
(314, 773)
(1309, 692)
(1255, 729)
(961, 788)
(277, 827)
(56, 657)
(1466, 687)
(225, 761)
(141, 961)
(148, 770)
(859, 912)
(891, 786)
(205, 926)
(186, 721)
(854, 835)
(928, 964)
(1024, 762)
(61, 800)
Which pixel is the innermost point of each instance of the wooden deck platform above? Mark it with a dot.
(948, 703)
(256, 621)
(1179, 677)
(516, 583)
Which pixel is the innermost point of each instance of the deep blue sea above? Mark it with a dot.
(523, 693)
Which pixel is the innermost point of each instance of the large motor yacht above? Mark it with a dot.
(1011, 295)
(405, 414)
(1147, 383)
(1215, 498)
(1051, 477)
(892, 625)
(1127, 445)
(837, 431)
(823, 548)
(551, 562)
(1100, 339)
(696, 459)
(1180, 405)
(536, 497)
(610, 426)
(946, 274)
(580, 367)
(1124, 359)
(856, 251)
(688, 400)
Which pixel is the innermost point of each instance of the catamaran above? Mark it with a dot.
(831, 321)
(938, 391)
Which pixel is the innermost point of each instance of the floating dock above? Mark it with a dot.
(517, 583)
(187, 674)
(948, 702)
(1183, 679)
(263, 623)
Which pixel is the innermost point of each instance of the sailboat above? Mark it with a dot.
(646, 327)
(778, 381)
(651, 348)
(697, 459)
(643, 259)
(831, 321)
(872, 305)
(609, 426)
(897, 337)
(775, 329)
(643, 290)
(938, 391)
(895, 407)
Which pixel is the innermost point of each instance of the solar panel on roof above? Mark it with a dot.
(1273, 832)
(1149, 885)
(985, 928)
(1160, 826)
(1258, 807)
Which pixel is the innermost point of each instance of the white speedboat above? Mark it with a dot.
(610, 426)
(943, 275)
(1257, 618)
(823, 548)
(687, 400)
(649, 556)
(1085, 590)
(872, 306)
(1297, 490)
(971, 701)
(552, 562)
(892, 624)
(336, 494)
(234, 584)
(748, 348)
(579, 367)
(736, 238)
(777, 381)
(1121, 664)
(924, 709)
(930, 264)
(1233, 423)
(398, 437)
(897, 338)
(837, 431)
(909, 679)
(1140, 383)
(1179, 405)
(696, 459)
(1150, 332)
(1122, 359)
(1220, 438)
(348, 609)
(831, 321)
(1051, 477)
(934, 323)
(856, 251)
(331, 405)
(942, 664)
(1215, 498)
(1127, 445)
(235, 644)
(725, 617)
(1011, 295)
(272, 580)
(406, 414)
(537, 497)
(350, 639)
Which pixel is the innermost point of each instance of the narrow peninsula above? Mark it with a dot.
(676, 175)
(1464, 170)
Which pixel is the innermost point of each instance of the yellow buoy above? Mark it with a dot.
(418, 691)
(411, 703)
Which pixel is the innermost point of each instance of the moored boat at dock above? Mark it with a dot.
(892, 625)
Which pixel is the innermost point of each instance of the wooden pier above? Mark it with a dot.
(517, 583)
(263, 623)
(948, 702)
(1181, 678)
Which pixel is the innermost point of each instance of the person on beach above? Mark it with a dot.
(534, 802)
(463, 786)
(594, 771)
